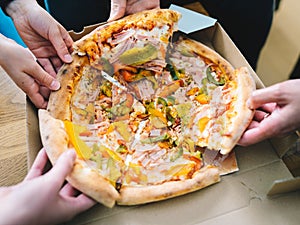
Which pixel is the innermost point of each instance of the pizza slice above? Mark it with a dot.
(131, 48)
(214, 95)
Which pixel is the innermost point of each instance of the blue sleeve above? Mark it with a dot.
(8, 29)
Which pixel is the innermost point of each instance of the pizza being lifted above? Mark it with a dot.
(139, 111)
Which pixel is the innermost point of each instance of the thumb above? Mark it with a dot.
(117, 9)
(63, 167)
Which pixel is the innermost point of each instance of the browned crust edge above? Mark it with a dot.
(133, 195)
(68, 76)
(245, 87)
(206, 52)
(145, 20)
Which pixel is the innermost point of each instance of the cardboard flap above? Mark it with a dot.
(284, 186)
(282, 145)
(34, 143)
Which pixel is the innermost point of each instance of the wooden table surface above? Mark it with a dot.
(13, 149)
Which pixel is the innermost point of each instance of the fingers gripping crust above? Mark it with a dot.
(244, 115)
(82, 177)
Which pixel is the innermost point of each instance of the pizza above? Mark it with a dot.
(140, 110)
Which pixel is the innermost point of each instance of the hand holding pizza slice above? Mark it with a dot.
(135, 150)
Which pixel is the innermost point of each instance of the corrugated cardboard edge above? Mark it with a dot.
(282, 146)
(235, 61)
(284, 186)
(34, 143)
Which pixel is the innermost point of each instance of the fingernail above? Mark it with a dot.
(55, 85)
(112, 17)
(71, 153)
(68, 58)
(115, 9)
(249, 104)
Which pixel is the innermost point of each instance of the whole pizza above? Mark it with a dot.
(139, 109)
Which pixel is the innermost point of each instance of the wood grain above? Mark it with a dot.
(13, 151)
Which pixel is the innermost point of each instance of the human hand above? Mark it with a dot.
(43, 35)
(119, 8)
(277, 114)
(43, 199)
(21, 66)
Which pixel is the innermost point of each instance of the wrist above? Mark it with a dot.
(8, 205)
(3, 46)
(18, 7)
(4, 4)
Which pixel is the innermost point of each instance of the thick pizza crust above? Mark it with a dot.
(133, 195)
(245, 87)
(68, 76)
(206, 52)
(84, 178)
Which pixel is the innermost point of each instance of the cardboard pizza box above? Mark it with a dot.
(263, 191)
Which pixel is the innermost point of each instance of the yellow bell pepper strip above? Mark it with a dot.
(180, 171)
(158, 114)
(202, 123)
(114, 172)
(123, 129)
(202, 99)
(192, 91)
(186, 170)
(81, 148)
